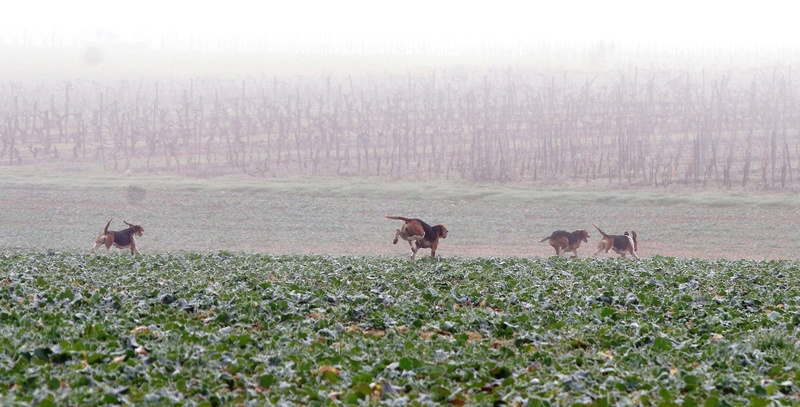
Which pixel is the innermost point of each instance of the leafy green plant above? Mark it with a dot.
(229, 328)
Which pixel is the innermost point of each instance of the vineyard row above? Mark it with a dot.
(722, 128)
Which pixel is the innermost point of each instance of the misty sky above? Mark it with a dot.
(681, 22)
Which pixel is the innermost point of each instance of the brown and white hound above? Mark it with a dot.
(622, 244)
(564, 241)
(419, 234)
(120, 239)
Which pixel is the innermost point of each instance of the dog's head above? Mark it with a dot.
(440, 230)
(137, 229)
(582, 235)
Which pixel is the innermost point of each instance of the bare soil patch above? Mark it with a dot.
(323, 217)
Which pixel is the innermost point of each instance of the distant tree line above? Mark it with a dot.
(723, 128)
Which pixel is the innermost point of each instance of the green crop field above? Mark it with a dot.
(285, 289)
(289, 292)
(255, 329)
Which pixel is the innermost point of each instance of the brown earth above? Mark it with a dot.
(287, 220)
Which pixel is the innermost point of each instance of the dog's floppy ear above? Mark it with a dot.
(126, 222)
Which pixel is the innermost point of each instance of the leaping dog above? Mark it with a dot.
(622, 244)
(419, 234)
(564, 241)
(120, 239)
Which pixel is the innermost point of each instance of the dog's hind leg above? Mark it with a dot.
(603, 246)
(96, 245)
(101, 240)
(108, 241)
(414, 238)
(414, 248)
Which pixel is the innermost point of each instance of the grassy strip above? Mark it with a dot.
(18, 178)
(211, 329)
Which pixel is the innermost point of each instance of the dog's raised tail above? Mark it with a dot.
(397, 218)
(545, 238)
(600, 230)
(105, 231)
(635, 242)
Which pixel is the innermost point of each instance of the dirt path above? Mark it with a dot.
(290, 220)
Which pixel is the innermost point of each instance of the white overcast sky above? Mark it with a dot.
(682, 22)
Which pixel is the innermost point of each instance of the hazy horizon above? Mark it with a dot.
(416, 27)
